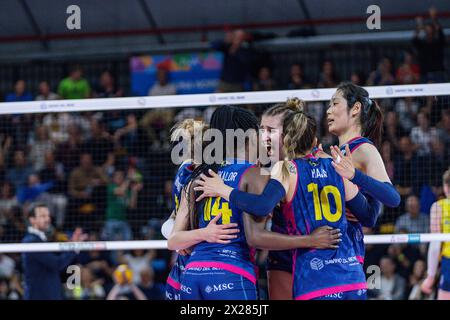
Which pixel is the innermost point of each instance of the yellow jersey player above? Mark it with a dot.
(440, 223)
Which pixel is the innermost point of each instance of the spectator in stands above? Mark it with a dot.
(39, 146)
(404, 257)
(383, 75)
(408, 72)
(20, 93)
(413, 221)
(126, 292)
(15, 228)
(100, 144)
(57, 125)
(437, 163)
(34, 191)
(99, 262)
(392, 130)
(422, 135)
(386, 154)
(7, 266)
(443, 128)
(406, 164)
(53, 172)
(162, 87)
(415, 280)
(131, 138)
(107, 87)
(8, 200)
(138, 260)
(68, 152)
(236, 63)
(85, 190)
(42, 269)
(392, 285)
(157, 123)
(429, 42)
(265, 81)
(406, 109)
(45, 93)
(121, 194)
(74, 86)
(357, 78)
(297, 79)
(18, 175)
(328, 77)
(151, 289)
(91, 288)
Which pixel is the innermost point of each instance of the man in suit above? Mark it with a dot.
(42, 269)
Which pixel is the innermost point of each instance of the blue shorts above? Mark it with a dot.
(215, 284)
(280, 260)
(360, 294)
(444, 283)
(356, 235)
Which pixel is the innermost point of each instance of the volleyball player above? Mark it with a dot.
(439, 223)
(227, 262)
(357, 121)
(306, 184)
(185, 130)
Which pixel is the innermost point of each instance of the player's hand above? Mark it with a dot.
(427, 285)
(343, 164)
(326, 237)
(78, 235)
(220, 233)
(212, 186)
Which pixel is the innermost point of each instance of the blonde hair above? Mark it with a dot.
(299, 131)
(187, 129)
(446, 177)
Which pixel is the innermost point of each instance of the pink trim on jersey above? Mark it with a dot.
(353, 139)
(224, 266)
(174, 284)
(360, 259)
(357, 146)
(332, 290)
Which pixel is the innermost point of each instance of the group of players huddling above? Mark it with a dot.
(317, 204)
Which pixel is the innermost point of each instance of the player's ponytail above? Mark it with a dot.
(187, 130)
(289, 107)
(371, 115)
(299, 131)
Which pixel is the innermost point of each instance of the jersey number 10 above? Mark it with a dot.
(322, 205)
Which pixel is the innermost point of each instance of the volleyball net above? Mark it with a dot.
(105, 164)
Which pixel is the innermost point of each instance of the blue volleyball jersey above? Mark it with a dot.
(237, 256)
(319, 200)
(183, 174)
(355, 229)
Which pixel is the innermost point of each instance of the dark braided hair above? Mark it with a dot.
(223, 118)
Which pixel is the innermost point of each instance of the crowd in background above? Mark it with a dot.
(110, 172)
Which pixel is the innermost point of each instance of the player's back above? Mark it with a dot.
(235, 256)
(445, 225)
(319, 200)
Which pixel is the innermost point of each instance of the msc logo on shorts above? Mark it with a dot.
(185, 289)
(219, 287)
(337, 295)
(316, 264)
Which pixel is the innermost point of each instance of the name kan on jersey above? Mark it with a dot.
(318, 173)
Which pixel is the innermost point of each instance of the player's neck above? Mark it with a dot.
(349, 135)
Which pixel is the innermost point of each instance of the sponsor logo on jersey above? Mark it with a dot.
(316, 264)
